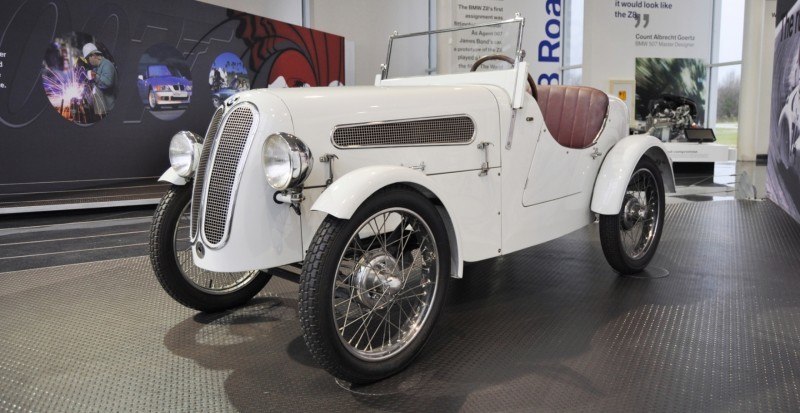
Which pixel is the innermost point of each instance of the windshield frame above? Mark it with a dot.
(518, 54)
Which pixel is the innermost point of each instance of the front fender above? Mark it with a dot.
(172, 177)
(618, 166)
(347, 193)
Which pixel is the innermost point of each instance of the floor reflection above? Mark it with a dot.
(724, 181)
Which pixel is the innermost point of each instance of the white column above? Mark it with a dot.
(749, 98)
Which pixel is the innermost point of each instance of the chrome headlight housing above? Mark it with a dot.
(183, 151)
(287, 161)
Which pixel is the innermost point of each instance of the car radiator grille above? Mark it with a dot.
(451, 130)
(200, 174)
(222, 175)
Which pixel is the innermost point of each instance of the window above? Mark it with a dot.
(726, 70)
(572, 71)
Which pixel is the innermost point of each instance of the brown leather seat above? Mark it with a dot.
(573, 114)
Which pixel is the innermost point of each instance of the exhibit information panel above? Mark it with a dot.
(663, 48)
(542, 35)
(92, 91)
(783, 166)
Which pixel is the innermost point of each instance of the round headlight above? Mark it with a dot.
(182, 152)
(287, 161)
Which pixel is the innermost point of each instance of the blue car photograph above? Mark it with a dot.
(164, 86)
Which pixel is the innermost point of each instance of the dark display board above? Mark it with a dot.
(92, 91)
(783, 162)
(782, 9)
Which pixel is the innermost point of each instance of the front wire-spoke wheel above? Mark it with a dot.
(171, 257)
(630, 238)
(372, 286)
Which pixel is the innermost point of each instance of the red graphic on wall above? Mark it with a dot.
(301, 56)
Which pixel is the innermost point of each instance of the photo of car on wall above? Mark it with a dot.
(227, 76)
(164, 82)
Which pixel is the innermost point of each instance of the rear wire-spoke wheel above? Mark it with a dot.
(630, 238)
(171, 257)
(372, 286)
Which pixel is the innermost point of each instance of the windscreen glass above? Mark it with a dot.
(456, 51)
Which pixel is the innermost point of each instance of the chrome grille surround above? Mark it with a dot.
(224, 171)
(441, 130)
(200, 173)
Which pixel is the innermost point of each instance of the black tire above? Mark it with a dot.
(179, 276)
(646, 187)
(388, 290)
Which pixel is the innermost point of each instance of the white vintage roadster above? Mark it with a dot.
(380, 194)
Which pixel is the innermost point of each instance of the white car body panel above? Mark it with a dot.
(564, 207)
(512, 81)
(254, 207)
(518, 203)
(262, 233)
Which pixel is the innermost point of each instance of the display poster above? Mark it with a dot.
(541, 36)
(92, 91)
(783, 162)
(662, 44)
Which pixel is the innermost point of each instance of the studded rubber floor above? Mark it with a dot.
(551, 328)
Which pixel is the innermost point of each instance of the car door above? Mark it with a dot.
(551, 174)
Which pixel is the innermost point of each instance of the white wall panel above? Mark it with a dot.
(368, 23)
(289, 11)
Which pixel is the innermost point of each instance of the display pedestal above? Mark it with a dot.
(699, 152)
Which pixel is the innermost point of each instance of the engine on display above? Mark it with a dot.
(669, 116)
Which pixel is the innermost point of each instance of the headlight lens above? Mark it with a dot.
(287, 161)
(161, 88)
(182, 152)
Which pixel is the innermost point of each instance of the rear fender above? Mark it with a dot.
(349, 192)
(618, 166)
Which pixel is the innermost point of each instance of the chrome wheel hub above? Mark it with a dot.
(633, 212)
(378, 279)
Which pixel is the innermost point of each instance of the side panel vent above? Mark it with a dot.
(451, 130)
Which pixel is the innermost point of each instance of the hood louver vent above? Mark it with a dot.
(451, 130)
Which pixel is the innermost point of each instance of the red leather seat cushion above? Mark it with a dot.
(573, 114)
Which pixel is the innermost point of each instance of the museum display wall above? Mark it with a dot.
(783, 171)
(50, 146)
(91, 92)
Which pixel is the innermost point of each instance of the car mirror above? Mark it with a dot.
(141, 77)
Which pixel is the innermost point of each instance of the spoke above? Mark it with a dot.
(369, 318)
(354, 320)
(357, 295)
(400, 306)
(385, 319)
(370, 312)
(417, 296)
(384, 232)
(375, 231)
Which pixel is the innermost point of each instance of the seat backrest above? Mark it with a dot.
(573, 114)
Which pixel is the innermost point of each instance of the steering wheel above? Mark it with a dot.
(506, 59)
